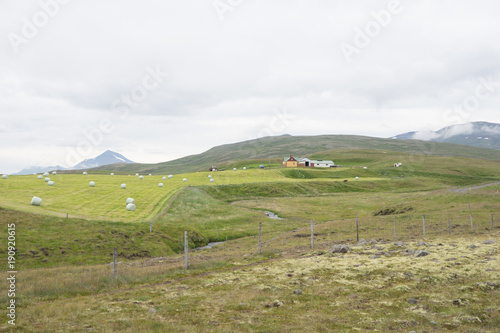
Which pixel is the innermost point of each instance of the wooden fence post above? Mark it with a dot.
(395, 234)
(424, 224)
(491, 222)
(260, 237)
(115, 264)
(312, 234)
(449, 226)
(186, 249)
(357, 228)
(151, 226)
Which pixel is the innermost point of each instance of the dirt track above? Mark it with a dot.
(465, 190)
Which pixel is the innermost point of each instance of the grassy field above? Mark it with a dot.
(67, 284)
(72, 194)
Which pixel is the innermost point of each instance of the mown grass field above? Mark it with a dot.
(67, 284)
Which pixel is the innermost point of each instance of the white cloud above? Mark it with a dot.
(226, 78)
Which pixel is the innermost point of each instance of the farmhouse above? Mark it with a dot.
(306, 162)
(290, 162)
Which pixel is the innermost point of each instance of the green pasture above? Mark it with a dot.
(72, 194)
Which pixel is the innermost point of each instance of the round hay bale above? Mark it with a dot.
(45, 174)
(150, 174)
(185, 180)
(209, 176)
(244, 168)
(54, 173)
(5, 176)
(211, 180)
(130, 200)
(170, 176)
(123, 186)
(160, 185)
(234, 169)
(356, 178)
(91, 184)
(141, 177)
(84, 173)
(131, 207)
(164, 178)
(40, 177)
(111, 174)
(50, 183)
(47, 179)
(36, 201)
(137, 174)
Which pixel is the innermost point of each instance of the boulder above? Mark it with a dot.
(340, 248)
(421, 253)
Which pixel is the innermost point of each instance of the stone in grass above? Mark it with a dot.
(373, 241)
(298, 292)
(340, 248)
(278, 303)
(489, 241)
(472, 246)
(421, 253)
(412, 301)
(362, 241)
(399, 244)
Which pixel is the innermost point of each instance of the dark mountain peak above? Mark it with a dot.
(478, 134)
(108, 157)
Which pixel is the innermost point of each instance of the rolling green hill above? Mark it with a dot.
(259, 151)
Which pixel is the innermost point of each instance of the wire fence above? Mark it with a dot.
(409, 226)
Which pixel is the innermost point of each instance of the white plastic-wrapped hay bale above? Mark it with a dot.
(170, 176)
(92, 184)
(40, 177)
(51, 183)
(84, 173)
(244, 168)
(5, 176)
(123, 186)
(111, 174)
(47, 179)
(356, 178)
(234, 169)
(131, 207)
(160, 184)
(211, 180)
(45, 174)
(36, 201)
(54, 173)
(130, 200)
(209, 176)
(164, 178)
(141, 177)
(185, 180)
(150, 174)
(137, 174)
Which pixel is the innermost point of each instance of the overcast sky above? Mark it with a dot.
(158, 80)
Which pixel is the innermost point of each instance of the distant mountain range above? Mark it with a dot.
(108, 157)
(274, 148)
(478, 134)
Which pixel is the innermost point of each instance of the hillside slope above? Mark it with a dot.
(281, 146)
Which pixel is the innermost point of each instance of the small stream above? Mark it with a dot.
(208, 246)
(272, 215)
